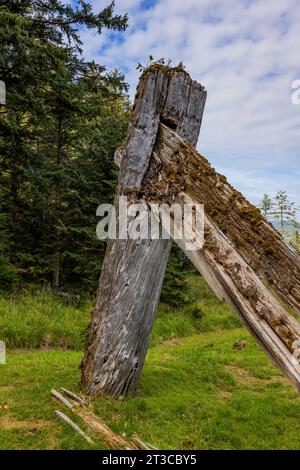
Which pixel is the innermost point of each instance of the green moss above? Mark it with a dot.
(223, 179)
(268, 248)
(164, 68)
(252, 214)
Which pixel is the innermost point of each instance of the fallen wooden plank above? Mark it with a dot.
(75, 397)
(94, 422)
(177, 167)
(62, 399)
(76, 428)
(142, 445)
(112, 439)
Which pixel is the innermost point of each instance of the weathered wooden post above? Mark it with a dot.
(133, 270)
(184, 171)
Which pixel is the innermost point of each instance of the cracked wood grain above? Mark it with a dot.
(133, 271)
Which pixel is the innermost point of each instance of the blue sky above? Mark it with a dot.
(246, 54)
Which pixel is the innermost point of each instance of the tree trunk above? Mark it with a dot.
(133, 271)
(58, 189)
(56, 270)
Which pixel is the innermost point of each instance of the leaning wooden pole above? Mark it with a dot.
(133, 270)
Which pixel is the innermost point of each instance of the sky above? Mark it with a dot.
(246, 54)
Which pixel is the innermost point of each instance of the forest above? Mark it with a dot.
(62, 121)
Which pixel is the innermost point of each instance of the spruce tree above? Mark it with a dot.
(53, 97)
(284, 210)
(266, 205)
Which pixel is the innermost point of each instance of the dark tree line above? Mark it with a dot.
(61, 123)
(62, 120)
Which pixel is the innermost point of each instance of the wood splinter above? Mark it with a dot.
(76, 428)
(81, 409)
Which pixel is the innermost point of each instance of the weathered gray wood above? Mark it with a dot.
(133, 271)
(73, 425)
(80, 408)
(61, 398)
(265, 318)
(75, 397)
(176, 166)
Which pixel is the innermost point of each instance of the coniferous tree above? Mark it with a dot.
(284, 210)
(57, 107)
(266, 205)
(62, 121)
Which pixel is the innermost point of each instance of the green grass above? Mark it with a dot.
(43, 320)
(26, 381)
(205, 313)
(197, 391)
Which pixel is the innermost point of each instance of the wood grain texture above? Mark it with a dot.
(133, 271)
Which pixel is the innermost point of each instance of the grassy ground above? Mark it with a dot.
(42, 320)
(197, 391)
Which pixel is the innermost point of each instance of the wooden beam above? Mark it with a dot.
(133, 270)
(79, 408)
(73, 425)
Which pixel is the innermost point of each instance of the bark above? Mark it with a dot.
(133, 271)
(56, 270)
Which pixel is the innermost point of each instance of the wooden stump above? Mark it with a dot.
(133, 270)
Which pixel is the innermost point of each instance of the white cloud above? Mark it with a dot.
(246, 54)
